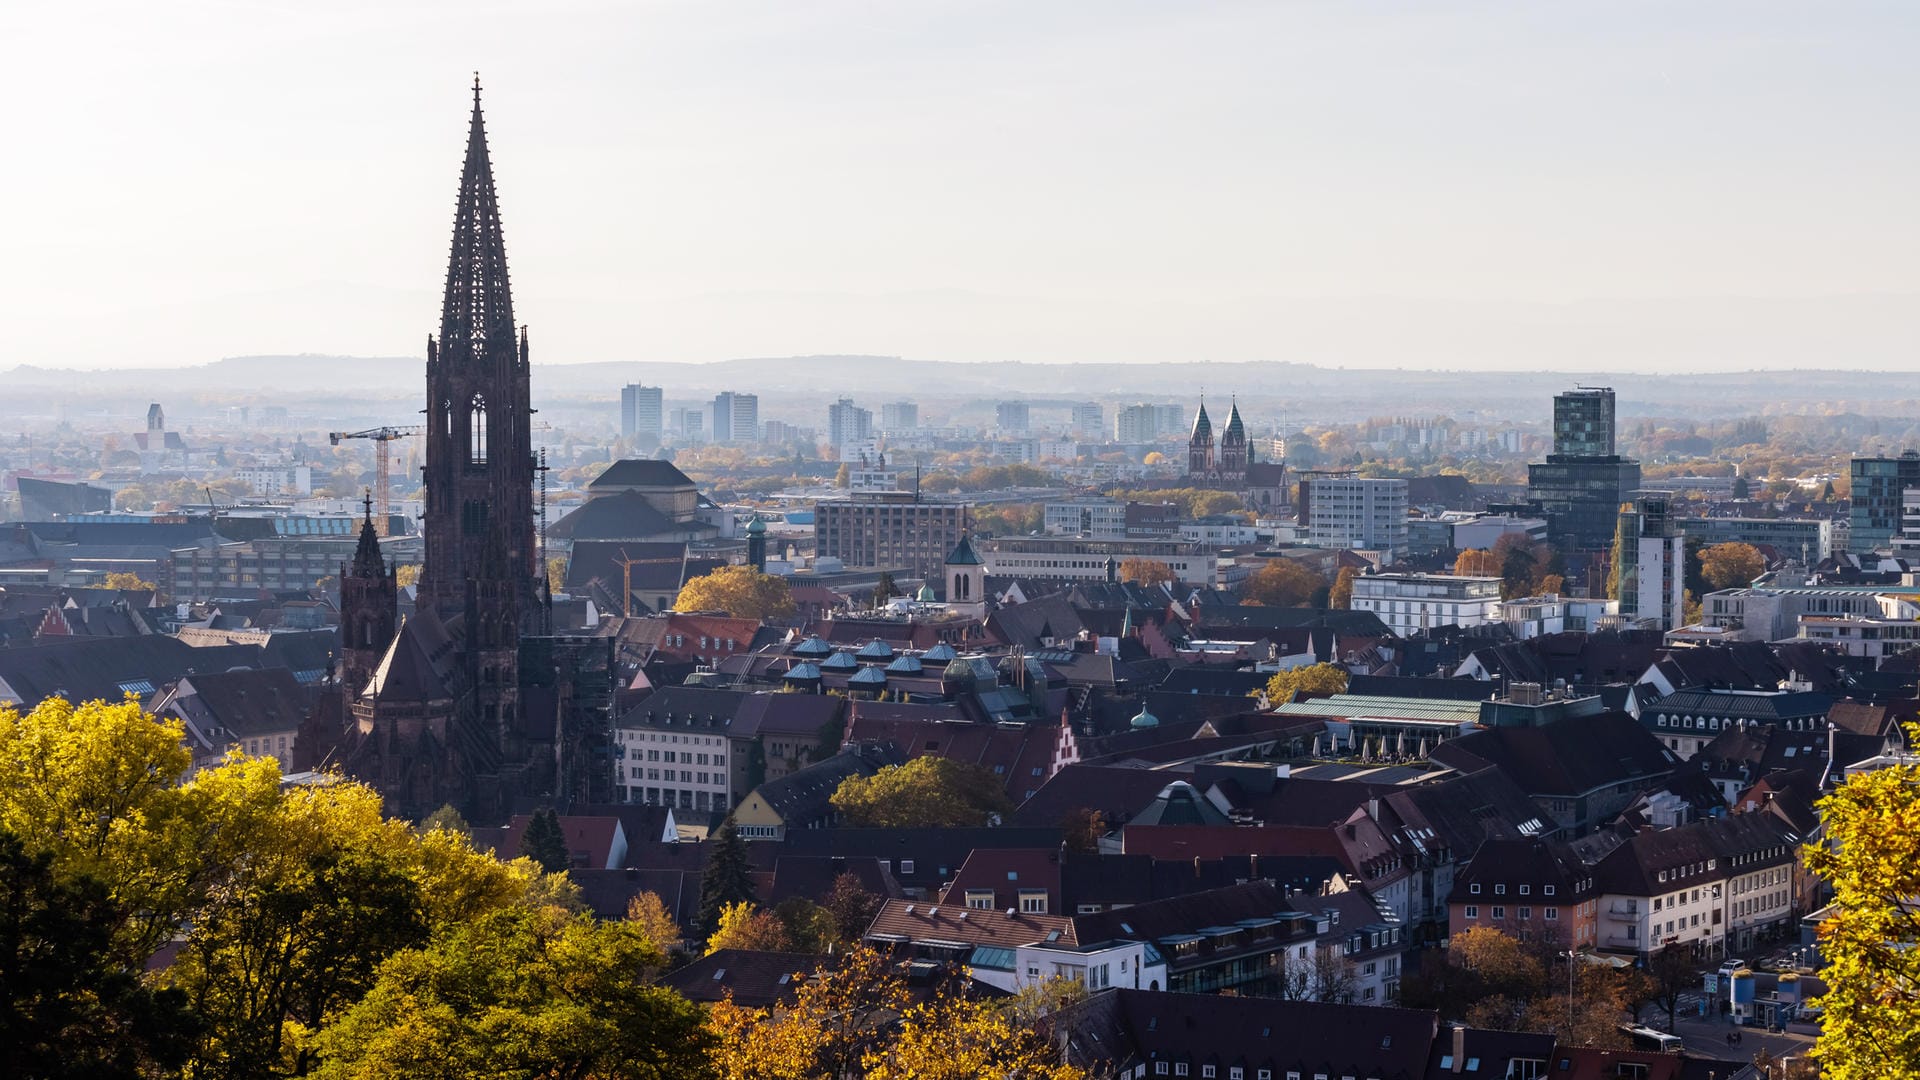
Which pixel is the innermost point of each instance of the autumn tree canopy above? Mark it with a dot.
(1870, 856)
(927, 792)
(1310, 679)
(1284, 583)
(740, 591)
(1145, 571)
(1732, 566)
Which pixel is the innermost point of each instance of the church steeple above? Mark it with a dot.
(369, 606)
(1200, 443)
(476, 315)
(367, 561)
(481, 574)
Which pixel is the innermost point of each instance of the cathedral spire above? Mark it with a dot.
(478, 309)
(367, 561)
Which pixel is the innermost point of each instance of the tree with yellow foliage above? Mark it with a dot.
(1283, 583)
(1310, 679)
(1732, 565)
(743, 926)
(1477, 562)
(1871, 940)
(926, 793)
(740, 591)
(407, 575)
(1342, 594)
(957, 1036)
(1145, 571)
(854, 1019)
(121, 579)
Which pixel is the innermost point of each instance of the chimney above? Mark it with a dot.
(1373, 808)
(1459, 1047)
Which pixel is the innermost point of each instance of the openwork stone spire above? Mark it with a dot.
(476, 318)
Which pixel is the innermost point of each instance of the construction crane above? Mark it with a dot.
(383, 483)
(626, 563)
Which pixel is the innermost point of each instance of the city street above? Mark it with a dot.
(1707, 1035)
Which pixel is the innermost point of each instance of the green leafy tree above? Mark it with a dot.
(445, 818)
(728, 879)
(927, 792)
(521, 993)
(68, 1008)
(545, 842)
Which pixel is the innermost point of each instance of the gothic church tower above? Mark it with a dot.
(481, 557)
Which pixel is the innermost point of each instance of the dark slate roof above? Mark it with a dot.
(811, 877)
(1115, 1031)
(1581, 659)
(600, 560)
(1411, 687)
(756, 980)
(935, 854)
(1215, 681)
(1118, 793)
(1339, 620)
(107, 669)
(625, 515)
(640, 822)
(1511, 862)
(252, 702)
(641, 472)
(1568, 757)
(801, 796)
(1179, 804)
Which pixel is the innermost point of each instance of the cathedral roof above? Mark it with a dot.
(415, 667)
(1202, 427)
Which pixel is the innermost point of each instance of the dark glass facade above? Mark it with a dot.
(1878, 483)
(1583, 423)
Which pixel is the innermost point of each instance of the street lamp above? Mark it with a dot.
(1570, 954)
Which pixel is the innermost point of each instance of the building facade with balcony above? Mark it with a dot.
(1409, 603)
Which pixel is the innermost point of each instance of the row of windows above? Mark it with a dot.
(686, 776)
(1524, 912)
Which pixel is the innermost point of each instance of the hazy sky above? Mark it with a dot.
(1525, 185)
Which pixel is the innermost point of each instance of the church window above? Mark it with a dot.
(478, 425)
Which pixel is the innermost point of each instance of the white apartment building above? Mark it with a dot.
(1409, 603)
(1088, 421)
(1219, 533)
(1355, 513)
(277, 479)
(1079, 558)
(686, 769)
(1102, 519)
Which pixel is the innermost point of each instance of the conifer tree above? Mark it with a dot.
(545, 843)
(727, 879)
